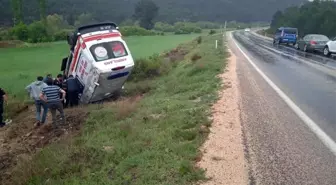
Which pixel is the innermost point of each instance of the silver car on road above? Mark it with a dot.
(312, 42)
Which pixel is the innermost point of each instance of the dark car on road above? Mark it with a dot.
(312, 42)
(285, 35)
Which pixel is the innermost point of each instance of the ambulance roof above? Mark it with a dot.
(97, 27)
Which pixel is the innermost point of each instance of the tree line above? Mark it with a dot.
(55, 27)
(170, 11)
(312, 17)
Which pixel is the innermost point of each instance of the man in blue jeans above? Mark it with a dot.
(34, 89)
(50, 95)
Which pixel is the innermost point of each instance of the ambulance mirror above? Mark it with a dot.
(70, 39)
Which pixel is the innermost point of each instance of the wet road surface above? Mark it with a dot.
(280, 147)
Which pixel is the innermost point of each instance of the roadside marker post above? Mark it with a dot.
(216, 44)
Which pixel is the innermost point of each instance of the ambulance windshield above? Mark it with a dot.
(108, 50)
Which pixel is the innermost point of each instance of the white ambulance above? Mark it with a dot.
(99, 59)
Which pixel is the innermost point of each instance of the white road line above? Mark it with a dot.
(327, 141)
(297, 58)
(261, 36)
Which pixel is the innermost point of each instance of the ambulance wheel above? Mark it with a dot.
(116, 95)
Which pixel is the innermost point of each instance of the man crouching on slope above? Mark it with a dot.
(51, 96)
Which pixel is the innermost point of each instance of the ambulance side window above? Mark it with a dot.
(118, 49)
(108, 50)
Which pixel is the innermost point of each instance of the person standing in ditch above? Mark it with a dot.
(49, 76)
(64, 87)
(3, 98)
(59, 82)
(72, 87)
(50, 95)
(35, 89)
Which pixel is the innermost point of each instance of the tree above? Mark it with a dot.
(20, 31)
(55, 23)
(127, 22)
(145, 11)
(37, 32)
(170, 10)
(84, 18)
(276, 17)
(17, 11)
(317, 17)
(42, 9)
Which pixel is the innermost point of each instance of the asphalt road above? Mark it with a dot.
(282, 147)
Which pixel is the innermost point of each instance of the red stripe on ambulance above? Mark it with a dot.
(101, 36)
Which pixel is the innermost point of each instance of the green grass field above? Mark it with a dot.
(20, 66)
(152, 141)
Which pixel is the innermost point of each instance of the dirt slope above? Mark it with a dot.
(20, 140)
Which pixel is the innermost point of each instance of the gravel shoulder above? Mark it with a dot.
(223, 152)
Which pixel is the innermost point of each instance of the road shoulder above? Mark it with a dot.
(223, 152)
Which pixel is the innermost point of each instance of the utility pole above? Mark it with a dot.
(224, 35)
(225, 26)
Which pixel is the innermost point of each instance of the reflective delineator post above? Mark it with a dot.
(216, 44)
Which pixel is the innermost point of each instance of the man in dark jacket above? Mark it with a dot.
(59, 80)
(72, 87)
(49, 76)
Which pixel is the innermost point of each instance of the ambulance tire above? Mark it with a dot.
(116, 95)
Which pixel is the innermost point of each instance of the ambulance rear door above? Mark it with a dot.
(87, 75)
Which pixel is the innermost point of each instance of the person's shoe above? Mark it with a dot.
(62, 120)
(8, 121)
(37, 124)
(55, 126)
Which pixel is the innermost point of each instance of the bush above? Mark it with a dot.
(55, 23)
(186, 28)
(20, 31)
(146, 68)
(195, 57)
(164, 27)
(180, 32)
(207, 25)
(212, 32)
(199, 40)
(197, 30)
(135, 31)
(62, 35)
(37, 32)
(5, 35)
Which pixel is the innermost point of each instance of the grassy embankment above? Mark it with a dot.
(152, 140)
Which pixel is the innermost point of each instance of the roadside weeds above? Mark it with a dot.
(150, 139)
